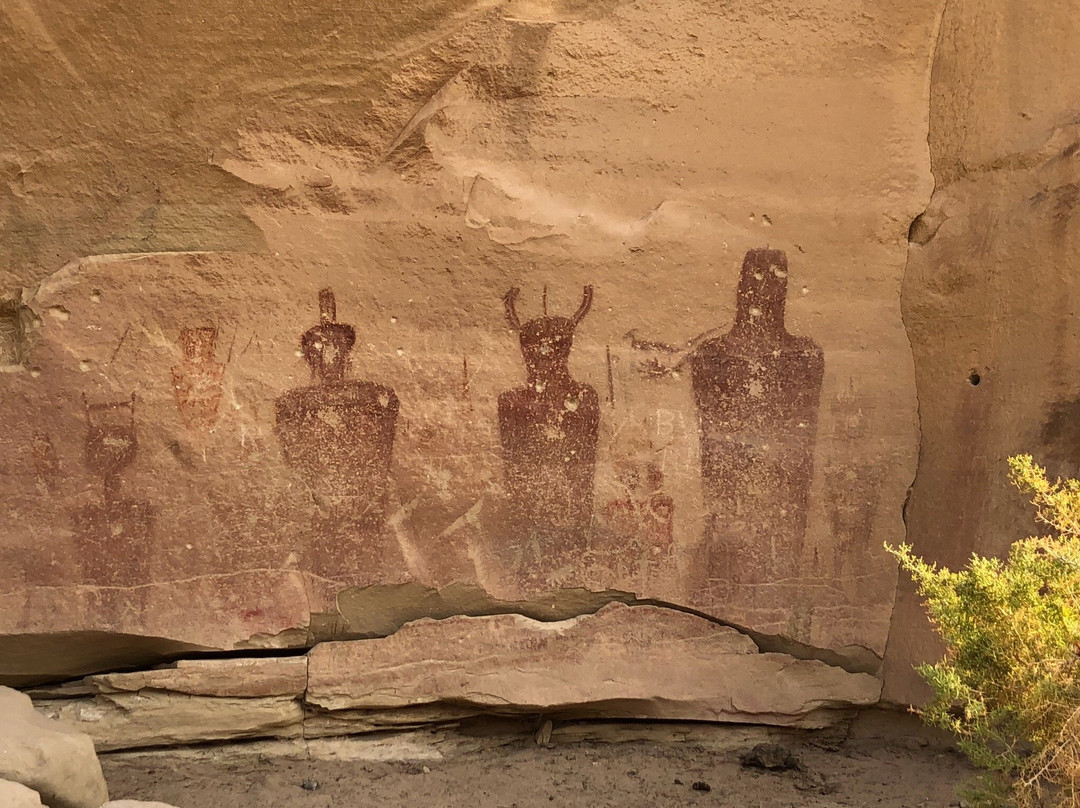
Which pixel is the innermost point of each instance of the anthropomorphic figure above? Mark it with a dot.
(111, 535)
(339, 435)
(548, 430)
(757, 390)
(197, 378)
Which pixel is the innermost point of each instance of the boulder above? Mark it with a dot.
(16, 795)
(50, 757)
(136, 804)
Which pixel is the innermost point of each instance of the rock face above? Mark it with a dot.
(552, 301)
(533, 296)
(52, 759)
(989, 293)
(616, 664)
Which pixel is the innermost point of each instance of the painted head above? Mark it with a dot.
(198, 343)
(546, 341)
(762, 293)
(326, 346)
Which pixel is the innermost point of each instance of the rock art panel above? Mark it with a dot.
(548, 431)
(757, 390)
(418, 169)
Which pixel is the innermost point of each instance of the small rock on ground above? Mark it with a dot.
(772, 757)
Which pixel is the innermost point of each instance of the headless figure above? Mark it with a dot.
(548, 430)
(339, 434)
(757, 390)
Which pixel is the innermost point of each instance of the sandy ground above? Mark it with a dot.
(890, 774)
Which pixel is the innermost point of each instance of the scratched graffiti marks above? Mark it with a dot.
(46, 463)
(197, 378)
(548, 431)
(757, 390)
(852, 492)
(640, 522)
(112, 534)
(339, 435)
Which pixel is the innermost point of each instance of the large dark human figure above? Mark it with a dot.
(548, 430)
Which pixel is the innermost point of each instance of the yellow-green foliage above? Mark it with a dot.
(1009, 684)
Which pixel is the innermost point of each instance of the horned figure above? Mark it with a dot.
(757, 390)
(339, 434)
(111, 534)
(548, 430)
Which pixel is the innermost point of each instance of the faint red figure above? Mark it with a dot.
(339, 434)
(757, 390)
(548, 430)
(111, 536)
(852, 490)
(46, 462)
(642, 520)
(197, 378)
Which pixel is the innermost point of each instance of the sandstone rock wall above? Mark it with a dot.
(989, 296)
(266, 370)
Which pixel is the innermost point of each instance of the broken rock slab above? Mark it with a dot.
(623, 661)
(224, 678)
(16, 795)
(190, 701)
(157, 718)
(53, 759)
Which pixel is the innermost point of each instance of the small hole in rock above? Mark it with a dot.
(974, 378)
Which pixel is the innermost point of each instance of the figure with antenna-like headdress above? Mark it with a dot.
(548, 430)
(339, 434)
(111, 534)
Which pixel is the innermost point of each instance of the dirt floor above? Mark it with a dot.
(899, 773)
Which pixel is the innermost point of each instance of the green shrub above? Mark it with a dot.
(1009, 684)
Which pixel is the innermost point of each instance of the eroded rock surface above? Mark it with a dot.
(989, 298)
(618, 662)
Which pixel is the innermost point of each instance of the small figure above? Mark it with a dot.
(197, 378)
(46, 462)
(851, 490)
(548, 430)
(641, 520)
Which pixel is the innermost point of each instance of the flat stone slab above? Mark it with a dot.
(625, 661)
